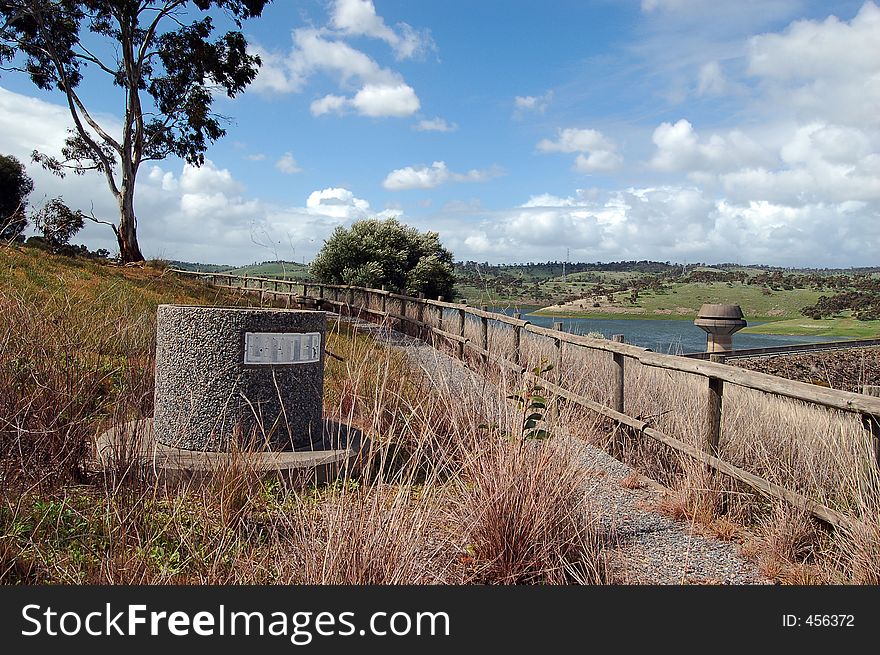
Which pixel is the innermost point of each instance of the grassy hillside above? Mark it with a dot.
(59, 280)
(684, 301)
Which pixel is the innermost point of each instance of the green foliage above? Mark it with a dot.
(534, 406)
(864, 304)
(374, 252)
(15, 187)
(58, 222)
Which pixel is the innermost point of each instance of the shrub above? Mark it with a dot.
(58, 222)
(374, 252)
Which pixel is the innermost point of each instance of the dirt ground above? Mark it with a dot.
(839, 369)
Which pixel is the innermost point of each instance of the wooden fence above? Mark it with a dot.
(433, 317)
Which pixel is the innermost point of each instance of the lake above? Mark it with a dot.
(664, 336)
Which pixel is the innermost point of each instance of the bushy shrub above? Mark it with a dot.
(374, 252)
(58, 222)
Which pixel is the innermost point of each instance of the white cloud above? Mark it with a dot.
(255, 157)
(338, 203)
(275, 75)
(359, 18)
(370, 89)
(711, 80)
(428, 177)
(436, 125)
(207, 179)
(184, 212)
(287, 164)
(381, 92)
(327, 104)
(536, 104)
(379, 100)
(680, 149)
(575, 140)
(598, 160)
(675, 223)
(825, 70)
(597, 152)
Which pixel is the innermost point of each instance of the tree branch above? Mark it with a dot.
(94, 219)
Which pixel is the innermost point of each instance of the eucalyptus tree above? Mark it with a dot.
(164, 60)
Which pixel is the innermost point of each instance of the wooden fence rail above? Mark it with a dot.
(716, 373)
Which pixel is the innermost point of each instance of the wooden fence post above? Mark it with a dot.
(517, 340)
(872, 425)
(384, 302)
(557, 364)
(617, 388)
(349, 299)
(460, 347)
(484, 335)
(713, 411)
(420, 315)
(440, 318)
(618, 445)
(403, 313)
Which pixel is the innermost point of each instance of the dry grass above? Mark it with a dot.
(823, 454)
(447, 492)
(521, 521)
(76, 359)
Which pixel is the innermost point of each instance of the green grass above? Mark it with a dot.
(832, 327)
(281, 270)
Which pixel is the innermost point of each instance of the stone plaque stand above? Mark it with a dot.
(245, 378)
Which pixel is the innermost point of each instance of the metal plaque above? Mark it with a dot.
(282, 347)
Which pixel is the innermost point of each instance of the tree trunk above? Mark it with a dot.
(126, 235)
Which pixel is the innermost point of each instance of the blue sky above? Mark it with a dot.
(681, 130)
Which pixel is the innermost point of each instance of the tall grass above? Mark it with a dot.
(823, 454)
(76, 360)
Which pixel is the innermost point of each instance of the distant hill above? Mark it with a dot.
(195, 266)
(277, 269)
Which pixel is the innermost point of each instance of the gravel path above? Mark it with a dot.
(647, 547)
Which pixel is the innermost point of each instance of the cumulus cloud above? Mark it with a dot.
(597, 152)
(328, 104)
(435, 125)
(378, 91)
(378, 100)
(825, 70)
(287, 164)
(338, 203)
(676, 223)
(359, 18)
(428, 177)
(184, 212)
(680, 149)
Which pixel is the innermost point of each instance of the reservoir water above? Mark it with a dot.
(675, 337)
